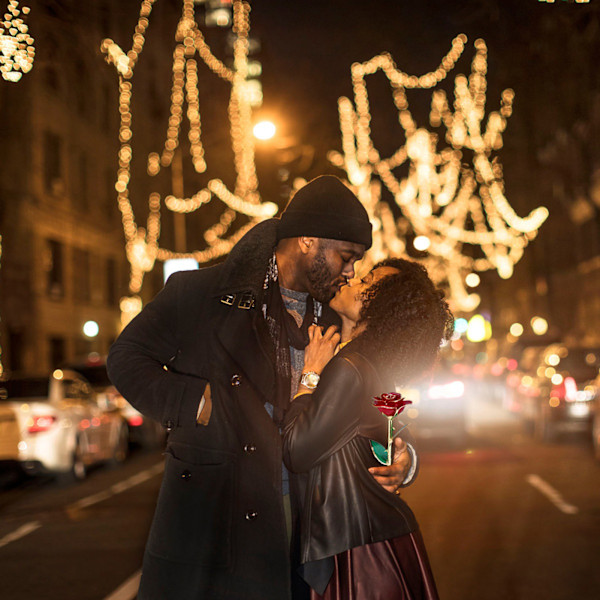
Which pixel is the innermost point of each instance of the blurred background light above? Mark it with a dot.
(422, 243)
(516, 329)
(174, 265)
(264, 130)
(91, 329)
(461, 325)
(479, 329)
(472, 280)
(539, 325)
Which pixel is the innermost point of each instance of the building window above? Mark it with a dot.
(111, 195)
(57, 351)
(81, 275)
(82, 188)
(53, 168)
(55, 279)
(16, 349)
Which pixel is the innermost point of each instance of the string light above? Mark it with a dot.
(447, 203)
(16, 45)
(142, 244)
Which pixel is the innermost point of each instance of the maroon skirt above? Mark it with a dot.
(396, 569)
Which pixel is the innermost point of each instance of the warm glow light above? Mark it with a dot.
(421, 242)
(264, 130)
(452, 204)
(556, 379)
(142, 243)
(58, 374)
(552, 359)
(549, 372)
(472, 280)
(16, 45)
(91, 329)
(539, 325)
(476, 331)
(516, 329)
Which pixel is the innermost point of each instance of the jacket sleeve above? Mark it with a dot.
(317, 425)
(138, 360)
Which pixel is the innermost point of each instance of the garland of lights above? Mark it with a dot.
(16, 45)
(142, 244)
(446, 203)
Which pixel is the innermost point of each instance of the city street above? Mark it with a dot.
(502, 518)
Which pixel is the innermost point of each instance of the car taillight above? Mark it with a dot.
(136, 421)
(40, 423)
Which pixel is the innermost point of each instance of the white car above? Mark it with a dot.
(55, 425)
(143, 431)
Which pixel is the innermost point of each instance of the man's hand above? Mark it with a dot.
(391, 478)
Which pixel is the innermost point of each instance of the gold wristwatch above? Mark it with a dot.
(310, 380)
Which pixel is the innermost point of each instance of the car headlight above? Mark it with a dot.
(579, 409)
(454, 389)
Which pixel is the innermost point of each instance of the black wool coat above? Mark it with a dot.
(219, 527)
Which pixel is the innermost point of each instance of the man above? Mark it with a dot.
(215, 358)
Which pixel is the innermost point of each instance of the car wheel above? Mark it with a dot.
(77, 471)
(121, 449)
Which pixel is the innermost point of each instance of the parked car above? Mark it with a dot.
(439, 405)
(554, 389)
(55, 425)
(142, 430)
(595, 427)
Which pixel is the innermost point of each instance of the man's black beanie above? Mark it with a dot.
(326, 208)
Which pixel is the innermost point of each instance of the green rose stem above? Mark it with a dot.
(390, 439)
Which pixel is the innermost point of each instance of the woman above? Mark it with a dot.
(358, 541)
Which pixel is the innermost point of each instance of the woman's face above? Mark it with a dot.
(348, 300)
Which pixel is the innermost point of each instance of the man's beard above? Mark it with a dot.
(319, 278)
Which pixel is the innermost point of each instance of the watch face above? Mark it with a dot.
(310, 379)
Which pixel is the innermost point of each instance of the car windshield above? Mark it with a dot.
(37, 387)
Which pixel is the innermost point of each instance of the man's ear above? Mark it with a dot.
(307, 244)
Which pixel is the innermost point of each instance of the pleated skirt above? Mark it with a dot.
(396, 569)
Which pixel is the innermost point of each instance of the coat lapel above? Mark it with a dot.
(240, 337)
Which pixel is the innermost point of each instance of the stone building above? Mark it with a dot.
(63, 261)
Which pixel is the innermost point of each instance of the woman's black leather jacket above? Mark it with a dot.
(327, 433)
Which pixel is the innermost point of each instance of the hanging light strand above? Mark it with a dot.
(445, 202)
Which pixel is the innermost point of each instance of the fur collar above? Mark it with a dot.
(245, 267)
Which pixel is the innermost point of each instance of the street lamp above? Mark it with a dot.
(264, 130)
(91, 329)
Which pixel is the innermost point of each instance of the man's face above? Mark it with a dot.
(329, 265)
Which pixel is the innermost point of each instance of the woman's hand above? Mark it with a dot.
(321, 348)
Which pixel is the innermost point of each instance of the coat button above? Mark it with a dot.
(236, 380)
(169, 425)
(249, 448)
(186, 474)
(251, 515)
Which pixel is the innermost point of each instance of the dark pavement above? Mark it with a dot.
(503, 518)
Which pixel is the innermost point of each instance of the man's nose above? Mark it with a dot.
(348, 272)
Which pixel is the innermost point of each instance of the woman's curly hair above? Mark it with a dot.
(406, 320)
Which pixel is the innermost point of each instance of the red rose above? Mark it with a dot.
(390, 404)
